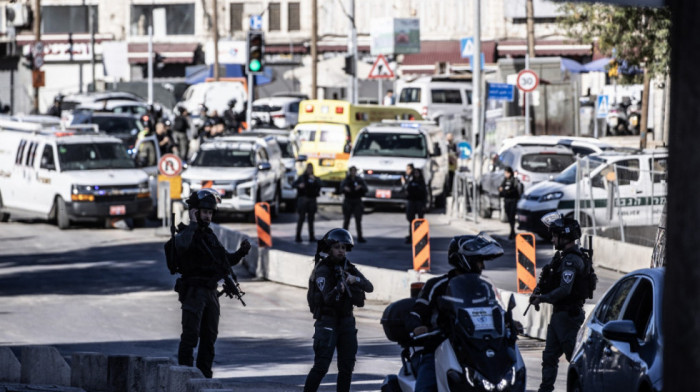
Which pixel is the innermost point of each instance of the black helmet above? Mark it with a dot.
(565, 228)
(465, 252)
(336, 236)
(232, 103)
(206, 198)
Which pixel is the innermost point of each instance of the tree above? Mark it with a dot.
(639, 35)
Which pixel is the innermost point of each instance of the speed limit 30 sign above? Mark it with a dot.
(527, 80)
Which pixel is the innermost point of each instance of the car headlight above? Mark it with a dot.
(83, 192)
(552, 196)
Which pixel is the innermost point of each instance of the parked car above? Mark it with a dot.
(620, 345)
(70, 102)
(123, 126)
(243, 169)
(281, 112)
(580, 146)
(640, 194)
(382, 151)
(532, 165)
(291, 159)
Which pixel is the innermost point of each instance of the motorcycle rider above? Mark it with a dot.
(466, 254)
(335, 287)
(561, 288)
(202, 258)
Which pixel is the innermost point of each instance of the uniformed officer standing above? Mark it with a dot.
(335, 287)
(564, 288)
(353, 187)
(509, 190)
(308, 189)
(203, 262)
(416, 194)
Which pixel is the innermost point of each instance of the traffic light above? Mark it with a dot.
(256, 52)
(613, 71)
(349, 67)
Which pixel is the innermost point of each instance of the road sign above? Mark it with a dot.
(170, 165)
(262, 221)
(466, 47)
(381, 69)
(256, 22)
(465, 150)
(602, 106)
(525, 264)
(527, 80)
(501, 92)
(420, 233)
(38, 78)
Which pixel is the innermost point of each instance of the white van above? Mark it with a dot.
(215, 95)
(443, 100)
(66, 175)
(243, 169)
(640, 197)
(382, 151)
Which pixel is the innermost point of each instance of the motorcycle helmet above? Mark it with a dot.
(206, 198)
(564, 228)
(336, 236)
(468, 252)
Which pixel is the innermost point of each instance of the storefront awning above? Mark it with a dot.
(171, 53)
(518, 48)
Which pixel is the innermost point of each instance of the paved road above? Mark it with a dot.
(91, 289)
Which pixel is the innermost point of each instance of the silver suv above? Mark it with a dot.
(531, 164)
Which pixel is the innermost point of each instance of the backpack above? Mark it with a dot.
(589, 280)
(171, 259)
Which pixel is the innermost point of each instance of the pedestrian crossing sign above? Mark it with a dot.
(466, 47)
(602, 106)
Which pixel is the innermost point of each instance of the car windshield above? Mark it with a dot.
(546, 163)
(287, 149)
(588, 164)
(93, 156)
(391, 145)
(224, 157)
(410, 95)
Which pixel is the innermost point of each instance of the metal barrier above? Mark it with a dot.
(463, 191)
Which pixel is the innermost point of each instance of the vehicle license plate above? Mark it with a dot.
(383, 194)
(117, 210)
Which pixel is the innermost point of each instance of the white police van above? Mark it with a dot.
(638, 200)
(243, 169)
(68, 174)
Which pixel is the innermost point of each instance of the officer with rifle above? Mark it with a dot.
(203, 262)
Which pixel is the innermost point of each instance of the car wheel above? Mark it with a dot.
(139, 222)
(575, 384)
(484, 207)
(62, 220)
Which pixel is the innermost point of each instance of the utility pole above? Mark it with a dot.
(314, 47)
(216, 40)
(91, 20)
(352, 51)
(150, 63)
(476, 98)
(530, 13)
(37, 39)
(643, 123)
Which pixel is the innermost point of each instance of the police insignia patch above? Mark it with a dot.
(321, 283)
(567, 276)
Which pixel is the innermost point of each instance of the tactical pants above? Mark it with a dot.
(426, 379)
(414, 208)
(200, 322)
(511, 207)
(182, 143)
(306, 208)
(561, 338)
(353, 207)
(331, 333)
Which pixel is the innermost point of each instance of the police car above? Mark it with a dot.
(68, 174)
(243, 169)
(638, 198)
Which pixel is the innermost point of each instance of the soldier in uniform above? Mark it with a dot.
(416, 194)
(335, 287)
(562, 285)
(510, 191)
(353, 187)
(308, 189)
(203, 262)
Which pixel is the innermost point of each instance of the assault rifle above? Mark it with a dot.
(231, 287)
(544, 277)
(342, 284)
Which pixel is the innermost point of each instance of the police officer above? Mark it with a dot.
(308, 189)
(562, 287)
(181, 127)
(509, 190)
(353, 187)
(416, 194)
(55, 109)
(231, 117)
(203, 262)
(335, 287)
(466, 254)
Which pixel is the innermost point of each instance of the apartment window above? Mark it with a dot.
(67, 19)
(236, 17)
(274, 17)
(293, 17)
(166, 19)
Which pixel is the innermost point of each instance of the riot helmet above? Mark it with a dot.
(205, 198)
(564, 228)
(232, 103)
(336, 236)
(468, 252)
